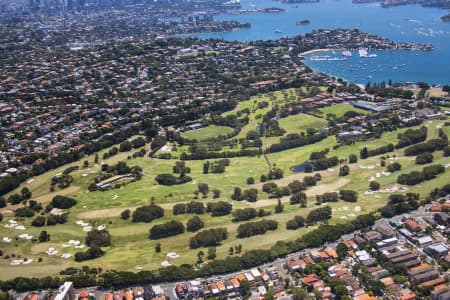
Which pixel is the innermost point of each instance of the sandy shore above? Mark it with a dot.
(314, 51)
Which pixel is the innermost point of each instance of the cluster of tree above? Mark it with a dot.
(208, 238)
(298, 198)
(411, 137)
(348, 195)
(216, 167)
(95, 240)
(384, 91)
(365, 153)
(244, 214)
(194, 224)
(220, 208)
(399, 204)
(415, 177)
(14, 199)
(63, 202)
(250, 259)
(169, 179)
(63, 181)
(101, 238)
(295, 223)
(9, 183)
(270, 126)
(166, 229)
(327, 197)
(147, 213)
(319, 154)
(111, 152)
(294, 140)
(128, 145)
(254, 228)
(395, 166)
(424, 158)
(91, 253)
(203, 153)
(428, 146)
(51, 220)
(321, 164)
(318, 215)
(192, 207)
(274, 173)
(180, 168)
(250, 195)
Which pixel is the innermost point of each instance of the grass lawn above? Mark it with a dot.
(301, 122)
(340, 109)
(206, 132)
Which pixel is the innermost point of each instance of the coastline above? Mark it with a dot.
(314, 51)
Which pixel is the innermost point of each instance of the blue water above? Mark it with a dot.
(411, 23)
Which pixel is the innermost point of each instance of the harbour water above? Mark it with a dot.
(411, 23)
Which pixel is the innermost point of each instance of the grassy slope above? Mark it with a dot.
(207, 132)
(131, 240)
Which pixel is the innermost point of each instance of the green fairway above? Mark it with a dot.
(301, 122)
(207, 132)
(340, 109)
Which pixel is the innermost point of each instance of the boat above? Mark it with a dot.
(346, 53)
(278, 31)
(303, 22)
(365, 54)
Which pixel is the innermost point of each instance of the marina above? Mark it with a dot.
(394, 23)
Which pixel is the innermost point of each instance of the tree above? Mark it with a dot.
(39, 221)
(341, 250)
(26, 194)
(147, 213)
(231, 251)
(44, 237)
(245, 289)
(200, 255)
(374, 186)
(364, 153)
(298, 198)
(211, 253)
(194, 224)
(204, 189)
(216, 193)
(101, 238)
(237, 194)
(424, 158)
(348, 195)
(250, 180)
(279, 207)
(63, 202)
(158, 248)
(352, 158)
(170, 228)
(125, 215)
(299, 293)
(344, 170)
